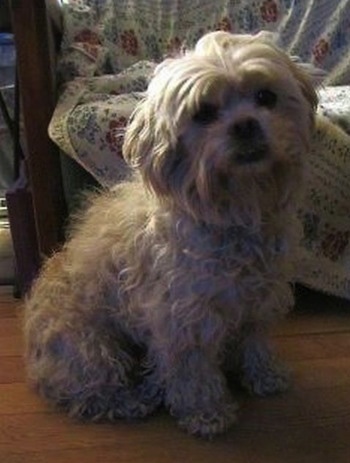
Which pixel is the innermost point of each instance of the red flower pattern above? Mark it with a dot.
(87, 36)
(114, 136)
(129, 42)
(174, 46)
(320, 50)
(269, 11)
(225, 24)
(91, 50)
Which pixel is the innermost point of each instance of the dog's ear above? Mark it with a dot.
(138, 139)
(145, 132)
(151, 137)
(317, 75)
(309, 78)
(147, 147)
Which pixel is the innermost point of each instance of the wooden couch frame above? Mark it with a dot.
(37, 209)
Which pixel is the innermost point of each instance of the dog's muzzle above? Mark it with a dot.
(249, 141)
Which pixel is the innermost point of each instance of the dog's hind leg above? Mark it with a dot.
(93, 375)
(79, 357)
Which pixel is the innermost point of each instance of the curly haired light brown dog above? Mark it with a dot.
(168, 281)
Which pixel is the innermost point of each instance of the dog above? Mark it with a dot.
(168, 282)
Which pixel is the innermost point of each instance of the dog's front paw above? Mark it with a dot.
(265, 378)
(207, 424)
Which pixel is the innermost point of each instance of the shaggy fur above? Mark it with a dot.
(169, 280)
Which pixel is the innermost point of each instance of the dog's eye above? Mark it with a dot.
(206, 114)
(266, 98)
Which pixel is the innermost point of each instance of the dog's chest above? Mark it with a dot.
(252, 268)
(218, 265)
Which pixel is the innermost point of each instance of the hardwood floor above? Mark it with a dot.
(309, 424)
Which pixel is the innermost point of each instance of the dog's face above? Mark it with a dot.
(219, 123)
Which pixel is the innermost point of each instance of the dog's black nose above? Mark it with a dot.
(249, 141)
(247, 129)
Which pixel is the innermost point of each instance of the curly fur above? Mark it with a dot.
(168, 281)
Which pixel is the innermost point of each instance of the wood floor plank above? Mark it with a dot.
(202, 453)
(299, 408)
(11, 346)
(309, 422)
(112, 454)
(8, 310)
(323, 373)
(17, 398)
(313, 346)
(313, 323)
(57, 432)
(9, 326)
(11, 370)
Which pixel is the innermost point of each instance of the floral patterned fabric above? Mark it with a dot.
(107, 36)
(324, 257)
(109, 51)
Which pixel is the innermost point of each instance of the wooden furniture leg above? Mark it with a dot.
(39, 197)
